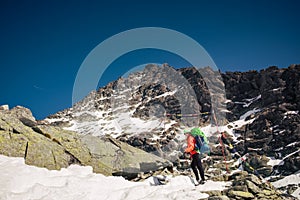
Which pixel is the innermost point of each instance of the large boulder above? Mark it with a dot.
(20, 136)
(122, 158)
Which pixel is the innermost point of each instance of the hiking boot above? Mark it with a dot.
(201, 182)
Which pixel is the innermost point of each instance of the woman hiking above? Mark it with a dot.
(196, 164)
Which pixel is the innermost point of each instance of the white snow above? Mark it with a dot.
(291, 154)
(20, 181)
(116, 122)
(166, 94)
(212, 130)
(250, 112)
(291, 113)
(276, 89)
(274, 162)
(247, 102)
(291, 179)
(52, 120)
(286, 114)
(292, 144)
(296, 193)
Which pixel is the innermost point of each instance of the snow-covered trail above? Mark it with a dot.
(20, 181)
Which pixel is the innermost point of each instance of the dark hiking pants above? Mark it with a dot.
(197, 165)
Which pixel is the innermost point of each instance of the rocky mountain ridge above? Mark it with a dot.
(261, 112)
(144, 111)
(274, 94)
(150, 109)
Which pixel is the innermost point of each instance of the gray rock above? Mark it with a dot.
(4, 107)
(54, 148)
(240, 194)
(219, 198)
(125, 160)
(252, 187)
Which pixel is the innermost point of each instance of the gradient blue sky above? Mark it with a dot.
(43, 43)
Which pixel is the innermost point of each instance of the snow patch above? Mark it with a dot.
(273, 162)
(229, 128)
(247, 102)
(291, 113)
(247, 114)
(291, 179)
(20, 181)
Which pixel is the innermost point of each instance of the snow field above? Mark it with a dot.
(20, 181)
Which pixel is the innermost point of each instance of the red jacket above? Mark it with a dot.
(191, 142)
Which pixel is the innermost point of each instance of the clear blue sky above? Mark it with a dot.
(43, 43)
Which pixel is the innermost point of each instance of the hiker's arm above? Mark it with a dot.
(191, 145)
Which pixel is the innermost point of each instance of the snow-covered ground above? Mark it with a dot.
(20, 181)
(291, 179)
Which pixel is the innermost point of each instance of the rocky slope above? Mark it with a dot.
(143, 109)
(274, 95)
(149, 110)
(54, 148)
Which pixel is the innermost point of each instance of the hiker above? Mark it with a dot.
(232, 150)
(196, 164)
(227, 142)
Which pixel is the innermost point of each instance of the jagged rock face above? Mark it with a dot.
(133, 110)
(276, 128)
(54, 148)
(21, 136)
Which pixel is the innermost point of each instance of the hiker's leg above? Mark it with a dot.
(199, 165)
(194, 167)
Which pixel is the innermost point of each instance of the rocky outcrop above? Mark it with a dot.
(4, 107)
(274, 93)
(54, 148)
(239, 185)
(125, 160)
(248, 186)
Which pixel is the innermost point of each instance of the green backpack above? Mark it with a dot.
(201, 141)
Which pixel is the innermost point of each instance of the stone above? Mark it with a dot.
(245, 195)
(4, 107)
(268, 192)
(240, 187)
(13, 145)
(45, 154)
(238, 175)
(220, 178)
(254, 179)
(252, 187)
(22, 112)
(222, 197)
(125, 160)
(214, 193)
(69, 140)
